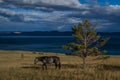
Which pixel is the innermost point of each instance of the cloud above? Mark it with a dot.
(3, 20)
(11, 15)
(1, 1)
(113, 9)
(103, 13)
(59, 14)
(52, 2)
(45, 5)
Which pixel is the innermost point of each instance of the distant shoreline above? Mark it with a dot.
(52, 43)
(47, 33)
(37, 52)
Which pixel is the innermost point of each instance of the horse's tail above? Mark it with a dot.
(36, 60)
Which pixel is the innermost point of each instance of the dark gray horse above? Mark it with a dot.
(48, 60)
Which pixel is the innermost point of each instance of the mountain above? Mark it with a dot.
(37, 33)
(50, 33)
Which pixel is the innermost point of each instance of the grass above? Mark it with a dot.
(18, 65)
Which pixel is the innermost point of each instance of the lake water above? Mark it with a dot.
(50, 43)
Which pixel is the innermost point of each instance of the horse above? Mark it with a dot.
(48, 60)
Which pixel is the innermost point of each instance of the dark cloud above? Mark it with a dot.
(59, 15)
(44, 5)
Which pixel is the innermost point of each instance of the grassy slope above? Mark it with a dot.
(18, 65)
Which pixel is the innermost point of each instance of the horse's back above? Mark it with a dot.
(48, 58)
(55, 57)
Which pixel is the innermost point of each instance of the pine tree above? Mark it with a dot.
(87, 41)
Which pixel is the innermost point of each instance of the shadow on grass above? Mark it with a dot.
(109, 67)
(73, 66)
(63, 66)
(32, 66)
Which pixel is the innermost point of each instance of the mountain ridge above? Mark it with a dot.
(48, 33)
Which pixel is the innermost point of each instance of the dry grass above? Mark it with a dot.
(18, 65)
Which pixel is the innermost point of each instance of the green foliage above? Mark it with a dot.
(87, 40)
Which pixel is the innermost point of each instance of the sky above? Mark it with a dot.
(60, 15)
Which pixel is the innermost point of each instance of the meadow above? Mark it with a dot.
(18, 65)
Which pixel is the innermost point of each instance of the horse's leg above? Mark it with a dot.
(56, 65)
(43, 66)
(46, 66)
(59, 65)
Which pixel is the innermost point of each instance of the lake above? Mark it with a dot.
(50, 43)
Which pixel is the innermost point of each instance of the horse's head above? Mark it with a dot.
(35, 60)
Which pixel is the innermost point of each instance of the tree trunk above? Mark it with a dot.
(84, 63)
(85, 53)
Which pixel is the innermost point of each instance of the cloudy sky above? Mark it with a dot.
(61, 15)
